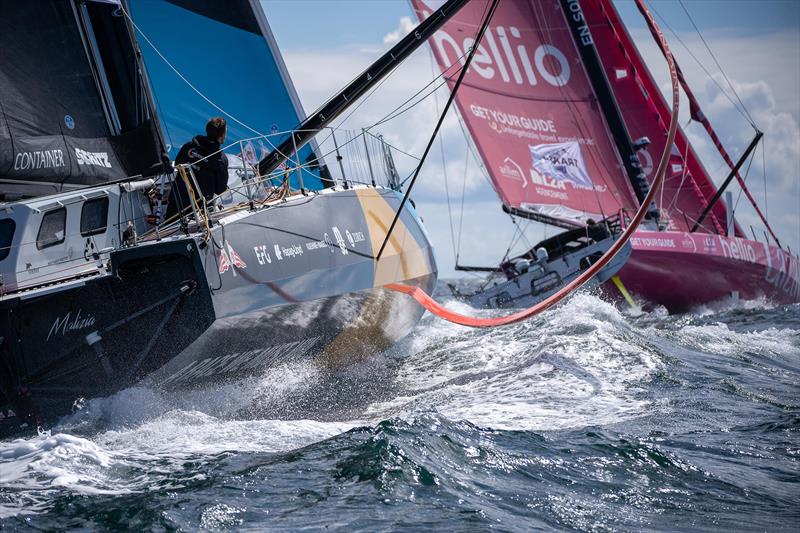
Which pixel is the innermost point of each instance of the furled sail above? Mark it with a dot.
(227, 52)
(532, 112)
(73, 109)
(688, 187)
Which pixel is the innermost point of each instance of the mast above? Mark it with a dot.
(307, 129)
(608, 104)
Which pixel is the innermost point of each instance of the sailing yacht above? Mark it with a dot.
(567, 121)
(98, 291)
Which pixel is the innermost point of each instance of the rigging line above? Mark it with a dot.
(700, 64)
(683, 179)
(764, 173)
(722, 71)
(397, 111)
(444, 163)
(463, 193)
(182, 77)
(744, 180)
(464, 69)
(393, 115)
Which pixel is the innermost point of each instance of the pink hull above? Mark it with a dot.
(680, 270)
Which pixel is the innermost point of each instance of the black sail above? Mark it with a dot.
(74, 107)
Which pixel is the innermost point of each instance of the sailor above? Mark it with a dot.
(596, 232)
(209, 165)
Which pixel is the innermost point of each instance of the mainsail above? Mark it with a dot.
(532, 112)
(74, 117)
(227, 52)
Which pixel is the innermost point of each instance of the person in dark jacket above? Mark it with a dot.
(209, 164)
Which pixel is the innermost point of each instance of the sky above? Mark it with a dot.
(326, 43)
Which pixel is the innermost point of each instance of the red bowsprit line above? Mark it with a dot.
(439, 310)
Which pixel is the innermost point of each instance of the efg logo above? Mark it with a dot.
(98, 159)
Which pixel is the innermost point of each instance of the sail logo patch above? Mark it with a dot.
(229, 259)
(559, 163)
(511, 170)
(39, 159)
(98, 159)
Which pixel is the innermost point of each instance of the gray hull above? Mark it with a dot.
(295, 280)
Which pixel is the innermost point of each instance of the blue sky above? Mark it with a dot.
(326, 43)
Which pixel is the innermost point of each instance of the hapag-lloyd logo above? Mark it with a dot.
(68, 324)
(505, 51)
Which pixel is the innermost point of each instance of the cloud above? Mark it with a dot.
(764, 71)
(403, 29)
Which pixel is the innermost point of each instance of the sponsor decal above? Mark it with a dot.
(262, 255)
(278, 253)
(653, 242)
(339, 240)
(506, 54)
(70, 324)
(316, 245)
(646, 161)
(69, 122)
(230, 259)
(249, 154)
(39, 159)
(511, 170)
(784, 272)
(559, 163)
(583, 30)
(98, 159)
(737, 249)
(710, 245)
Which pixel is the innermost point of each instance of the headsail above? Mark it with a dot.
(73, 116)
(227, 51)
(688, 186)
(532, 112)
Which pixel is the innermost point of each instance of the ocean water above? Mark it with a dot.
(584, 418)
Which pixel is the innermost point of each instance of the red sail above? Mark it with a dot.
(532, 112)
(688, 187)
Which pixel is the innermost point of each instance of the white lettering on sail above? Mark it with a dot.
(550, 63)
(98, 159)
(67, 324)
(577, 16)
(39, 159)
